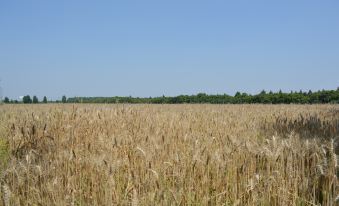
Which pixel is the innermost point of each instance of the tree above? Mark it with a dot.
(44, 100)
(64, 99)
(6, 100)
(35, 100)
(237, 94)
(27, 99)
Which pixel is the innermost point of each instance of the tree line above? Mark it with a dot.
(300, 97)
(28, 100)
(319, 97)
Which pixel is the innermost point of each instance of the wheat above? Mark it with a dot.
(169, 155)
(135, 201)
(6, 194)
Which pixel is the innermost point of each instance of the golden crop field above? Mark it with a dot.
(169, 154)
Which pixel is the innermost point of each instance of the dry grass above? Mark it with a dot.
(168, 155)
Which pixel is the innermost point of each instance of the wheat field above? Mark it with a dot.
(169, 154)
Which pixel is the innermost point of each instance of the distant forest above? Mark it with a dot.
(301, 97)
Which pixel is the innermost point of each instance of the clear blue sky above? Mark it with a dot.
(151, 48)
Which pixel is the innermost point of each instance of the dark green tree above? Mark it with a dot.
(6, 100)
(35, 100)
(27, 99)
(64, 99)
(44, 100)
(237, 94)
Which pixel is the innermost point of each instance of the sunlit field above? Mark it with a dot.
(169, 154)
